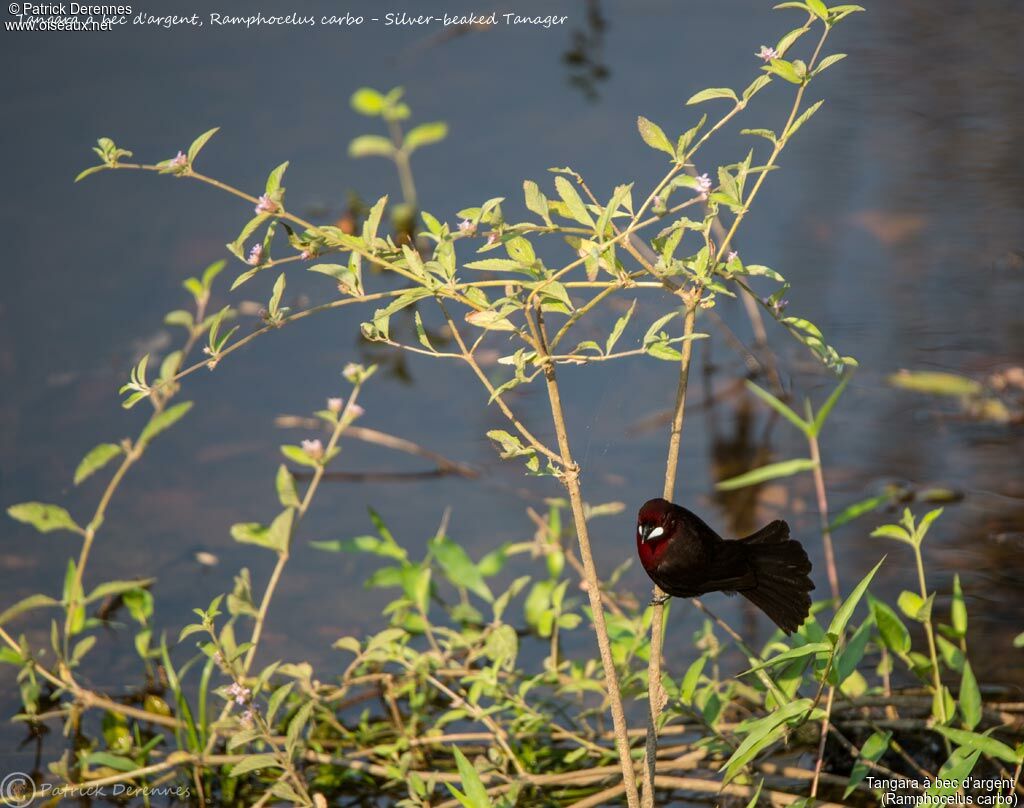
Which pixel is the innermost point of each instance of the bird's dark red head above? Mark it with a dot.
(655, 526)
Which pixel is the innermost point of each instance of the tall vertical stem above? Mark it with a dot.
(570, 476)
(655, 694)
(826, 533)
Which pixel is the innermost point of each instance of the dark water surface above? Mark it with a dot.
(898, 216)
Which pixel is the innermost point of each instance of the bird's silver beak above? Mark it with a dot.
(645, 533)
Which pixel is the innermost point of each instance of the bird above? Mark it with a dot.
(687, 559)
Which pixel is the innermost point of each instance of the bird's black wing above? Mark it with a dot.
(721, 566)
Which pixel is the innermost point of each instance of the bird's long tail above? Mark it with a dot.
(782, 569)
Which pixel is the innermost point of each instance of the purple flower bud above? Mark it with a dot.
(180, 161)
(313, 448)
(732, 256)
(256, 255)
(305, 255)
(266, 205)
(356, 411)
(247, 719)
(493, 237)
(335, 404)
(466, 227)
(767, 54)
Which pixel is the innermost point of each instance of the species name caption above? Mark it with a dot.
(127, 15)
(967, 791)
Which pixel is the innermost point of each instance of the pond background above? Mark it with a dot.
(898, 216)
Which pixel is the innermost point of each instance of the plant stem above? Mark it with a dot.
(930, 634)
(826, 533)
(402, 164)
(570, 477)
(655, 693)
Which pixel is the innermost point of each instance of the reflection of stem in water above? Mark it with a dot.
(585, 56)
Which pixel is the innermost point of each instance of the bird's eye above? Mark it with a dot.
(658, 531)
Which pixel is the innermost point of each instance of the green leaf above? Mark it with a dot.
(37, 601)
(828, 61)
(872, 749)
(817, 8)
(762, 733)
(117, 588)
(958, 609)
(297, 455)
(43, 517)
(691, 679)
(851, 512)
(712, 92)
(654, 136)
(199, 142)
(977, 742)
(970, 698)
(275, 537)
(785, 70)
(788, 656)
(914, 606)
(779, 407)
(371, 146)
(163, 420)
(424, 135)
(458, 567)
(285, 484)
(273, 185)
(785, 468)
(620, 326)
(367, 101)
(475, 794)
(254, 762)
(826, 408)
(122, 764)
(536, 201)
(385, 548)
(845, 612)
(894, 633)
(805, 116)
(97, 458)
(936, 383)
(573, 203)
(893, 532)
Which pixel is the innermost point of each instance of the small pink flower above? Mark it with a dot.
(767, 54)
(256, 255)
(493, 237)
(466, 227)
(313, 448)
(703, 185)
(355, 410)
(247, 719)
(180, 161)
(266, 205)
(305, 255)
(352, 371)
(732, 256)
(335, 404)
(658, 202)
(240, 693)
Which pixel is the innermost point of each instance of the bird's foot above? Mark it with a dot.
(659, 600)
